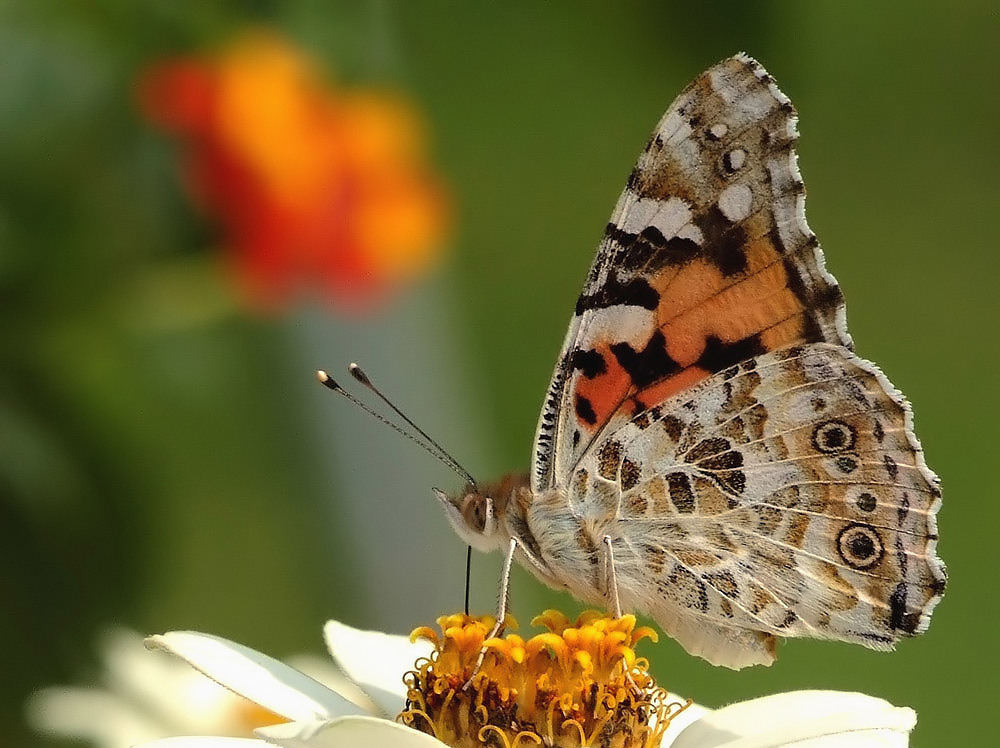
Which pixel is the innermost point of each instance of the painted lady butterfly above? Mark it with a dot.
(711, 451)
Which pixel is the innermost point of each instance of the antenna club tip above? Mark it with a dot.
(326, 380)
(359, 374)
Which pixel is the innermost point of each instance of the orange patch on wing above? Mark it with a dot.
(606, 391)
(785, 333)
(699, 301)
(699, 280)
(746, 308)
(687, 288)
(666, 388)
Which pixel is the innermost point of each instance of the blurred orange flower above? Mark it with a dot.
(313, 185)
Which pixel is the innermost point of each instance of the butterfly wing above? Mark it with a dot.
(707, 261)
(707, 413)
(784, 496)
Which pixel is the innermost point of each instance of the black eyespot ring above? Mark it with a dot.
(860, 546)
(834, 436)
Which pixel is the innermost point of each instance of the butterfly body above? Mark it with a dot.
(708, 428)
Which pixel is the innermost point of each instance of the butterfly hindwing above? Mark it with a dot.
(785, 496)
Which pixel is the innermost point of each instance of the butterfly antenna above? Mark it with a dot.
(358, 373)
(430, 446)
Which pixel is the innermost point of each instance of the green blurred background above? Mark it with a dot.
(168, 461)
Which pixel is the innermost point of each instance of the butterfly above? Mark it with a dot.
(710, 451)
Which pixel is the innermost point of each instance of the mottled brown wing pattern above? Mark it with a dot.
(707, 261)
(783, 496)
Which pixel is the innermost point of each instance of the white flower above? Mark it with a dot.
(145, 696)
(803, 719)
(317, 715)
(320, 716)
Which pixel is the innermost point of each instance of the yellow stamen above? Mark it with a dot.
(579, 683)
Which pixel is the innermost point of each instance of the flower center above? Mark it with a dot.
(578, 684)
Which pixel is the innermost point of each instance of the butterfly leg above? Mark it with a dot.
(612, 586)
(501, 607)
(612, 577)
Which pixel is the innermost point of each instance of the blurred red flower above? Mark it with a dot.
(313, 185)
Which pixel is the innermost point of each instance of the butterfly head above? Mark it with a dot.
(478, 513)
(473, 514)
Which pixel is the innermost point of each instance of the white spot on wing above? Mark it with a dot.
(629, 324)
(693, 233)
(736, 201)
(719, 130)
(668, 216)
(737, 157)
(673, 127)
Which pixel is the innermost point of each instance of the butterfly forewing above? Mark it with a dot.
(707, 261)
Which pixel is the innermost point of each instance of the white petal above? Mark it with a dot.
(204, 742)
(803, 718)
(89, 714)
(347, 732)
(262, 679)
(693, 713)
(183, 700)
(128, 662)
(375, 661)
(323, 669)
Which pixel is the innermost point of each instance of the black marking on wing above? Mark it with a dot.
(648, 365)
(820, 301)
(585, 409)
(635, 292)
(724, 243)
(649, 250)
(706, 448)
(718, 355)
(899, 618)
(673, 425)
(681, 495)
(591, 363)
